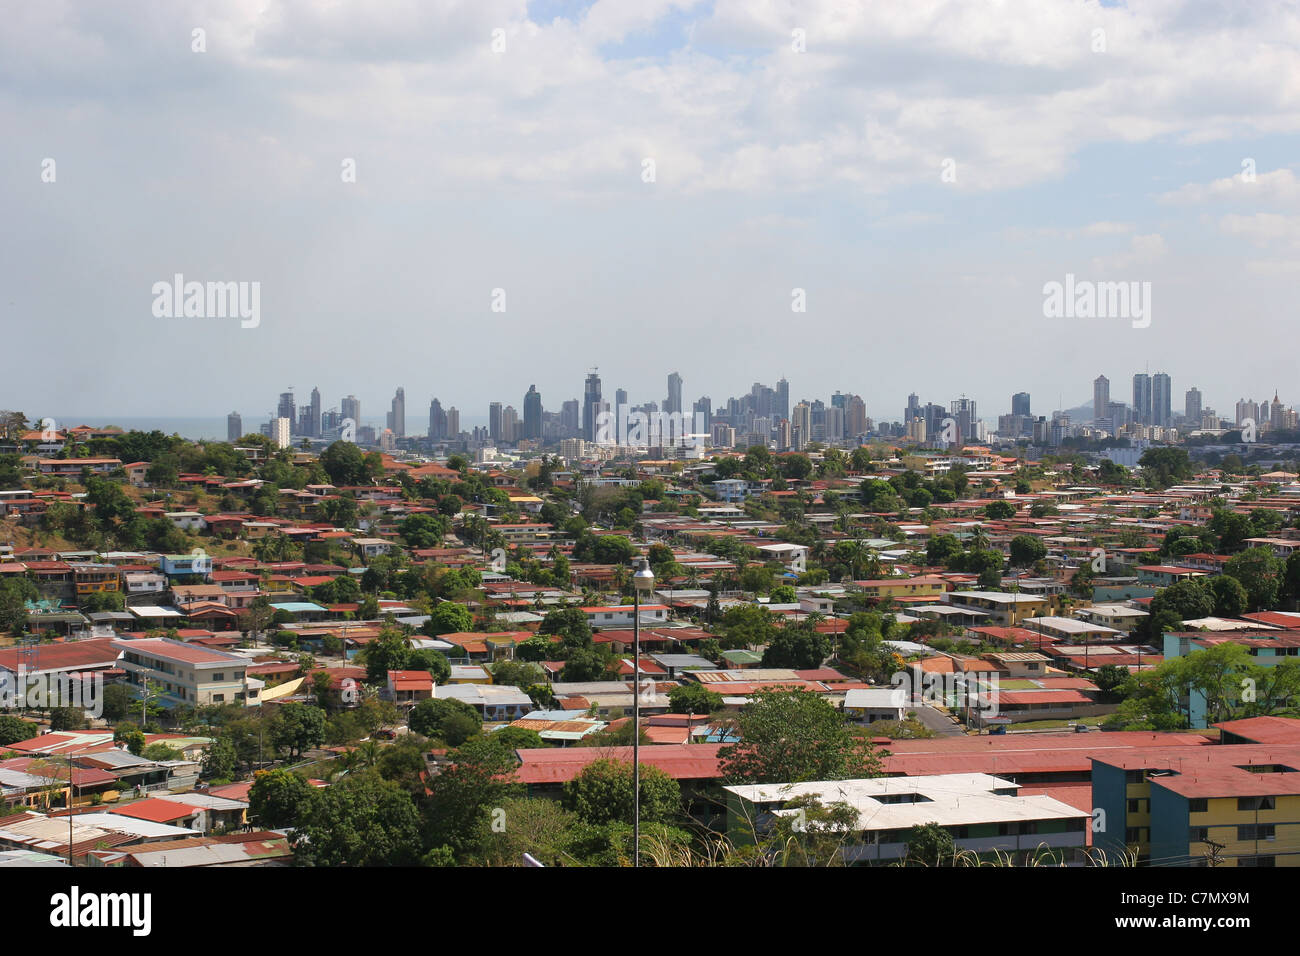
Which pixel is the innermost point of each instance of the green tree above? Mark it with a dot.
(221, 761)
(450, 618)
(1216, 672)
(298, 727)
(68, 718)
(792, 736)
(1165, 466)
(797, 646)
(363, 821)
(602, 793)
(584, 665)
(161, 751)
(1260, 574)
(541, 828)
(280, 799)
(446, 719)
(388, 652)
(13, 729)
(14, 594)
(929, 844)
(458, 811)
(1026, 550)
(1189, 599)
(571, 624)
(535, 649)
(941, 548)
(344, 463)
(517, 738)
(1230, 598)
(693, 698)
(1000, 509)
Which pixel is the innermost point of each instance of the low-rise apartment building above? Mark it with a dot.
(188, 674)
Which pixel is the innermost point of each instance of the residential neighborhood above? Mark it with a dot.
(247, 640)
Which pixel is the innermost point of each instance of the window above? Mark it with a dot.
(1200, 805)
(219, 698)
(218, 677)
(1255, 831)
(1253, 861)
(1255, 803)
(1198, 834)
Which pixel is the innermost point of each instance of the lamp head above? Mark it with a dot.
(644, 578)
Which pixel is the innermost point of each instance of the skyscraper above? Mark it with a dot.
(286, 410)
(351, 408)
(494, 421)
(280, 432)
(437, 421)
(855, 417)
(590, 400)
(509, 425)
(533, 414)
(1020, 404)
(397, 417)
(1247, 409)
(702, 414)
(963, 410)
(913, 409)
(313, 414)
(1142, 398)
(782, 407)
(234, 427)
(570, 418)
(673, 404)
(1100, 396)
(800, 425)
(1161, 404)
(1192, 406)
(453, 423)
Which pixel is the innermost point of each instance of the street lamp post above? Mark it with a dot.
(642, 580)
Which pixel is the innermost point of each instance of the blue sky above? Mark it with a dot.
(522, 169)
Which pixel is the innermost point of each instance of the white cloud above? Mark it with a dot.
(1277, 186)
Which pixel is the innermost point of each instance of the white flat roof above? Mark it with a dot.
(954, 799)
(1068, 625)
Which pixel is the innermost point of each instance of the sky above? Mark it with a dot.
(466, 198)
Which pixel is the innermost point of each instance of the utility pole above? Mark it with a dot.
(1215, 849)
(70, 799)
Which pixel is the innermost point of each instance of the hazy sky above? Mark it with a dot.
(524, 169)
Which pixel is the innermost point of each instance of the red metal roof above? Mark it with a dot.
(158, 811)
(679, 761)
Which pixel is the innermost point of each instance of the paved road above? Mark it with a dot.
(938, 722)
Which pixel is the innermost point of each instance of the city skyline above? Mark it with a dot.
(471, 417)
